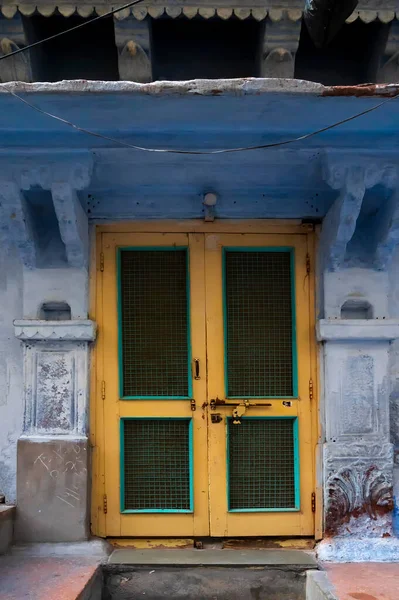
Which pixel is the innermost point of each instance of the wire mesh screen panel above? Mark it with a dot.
(154, 323)
(156, 465)
(259, 324)
(261, 455)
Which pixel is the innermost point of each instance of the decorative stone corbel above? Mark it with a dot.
(280, 44)
(388, 234)
(63, 176)
(73, 224)
(339, 226)
(12, 37)
(340, 222)
(389, 69)
(15, 222)
(132, 38)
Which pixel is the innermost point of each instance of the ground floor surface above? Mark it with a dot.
(37, 575)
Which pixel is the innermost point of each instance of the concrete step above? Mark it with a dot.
(7, 516)
(50, 578)
(207, 574)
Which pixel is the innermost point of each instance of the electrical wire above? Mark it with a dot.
(202, 152)
(56, 35)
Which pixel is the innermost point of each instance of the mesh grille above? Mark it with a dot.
(261, 464)
(154, 322)
(157, 464)
(259, 324)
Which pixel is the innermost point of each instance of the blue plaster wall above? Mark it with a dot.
(280, 183)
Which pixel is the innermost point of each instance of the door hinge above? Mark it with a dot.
(307, 264)
(105, 504)
(103, 390)
(101, 261)
(310, 389)
(313, 502)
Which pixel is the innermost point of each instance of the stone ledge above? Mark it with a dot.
(358, 549)
(79, 330)
(357, 329)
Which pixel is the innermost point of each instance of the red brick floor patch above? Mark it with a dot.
(364, 581)
(33, 578)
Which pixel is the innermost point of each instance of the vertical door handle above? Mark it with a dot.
(197, 369)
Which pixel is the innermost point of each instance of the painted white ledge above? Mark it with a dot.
(79, 330)
(357, 329)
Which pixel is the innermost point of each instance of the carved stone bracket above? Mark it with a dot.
(16, 223)
(341, 221)
(73, 224)
(62, 176)
(132, 39)
(389, 69)
(280, 43)
(12, 37)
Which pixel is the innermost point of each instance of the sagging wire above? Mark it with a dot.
(203, 152)
(56, 35)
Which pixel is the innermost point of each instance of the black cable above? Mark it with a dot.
(200, 152)
(52, 37)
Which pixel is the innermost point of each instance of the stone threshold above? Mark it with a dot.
(215, 558)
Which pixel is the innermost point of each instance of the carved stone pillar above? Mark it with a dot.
(12, 37)
(132, 39)
(53, 452)
(280, 44)
(357, 333)
(358, 455)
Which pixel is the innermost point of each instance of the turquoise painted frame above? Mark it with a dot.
(291, 251)
(296, 469)
(122, 466)
(119, 304)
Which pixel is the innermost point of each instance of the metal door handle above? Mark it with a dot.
(197, 369)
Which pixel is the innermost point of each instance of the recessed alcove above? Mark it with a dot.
(55, 311)
(356, 309)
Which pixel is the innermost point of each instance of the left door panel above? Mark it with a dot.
(154, 366)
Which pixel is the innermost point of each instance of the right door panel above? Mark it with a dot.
(258, 355)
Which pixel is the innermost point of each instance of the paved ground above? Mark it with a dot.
(364, 581)
(34, 578)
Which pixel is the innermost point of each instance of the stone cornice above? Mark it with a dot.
(259, 9)
(79, 330)
(357, 329)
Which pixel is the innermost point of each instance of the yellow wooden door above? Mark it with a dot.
(153, 343)
(258, 349)
(194, 326)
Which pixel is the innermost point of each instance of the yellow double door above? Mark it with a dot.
(204, 424)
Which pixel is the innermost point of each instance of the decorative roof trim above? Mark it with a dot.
(141, 12)
(341, 330)
(79, 330)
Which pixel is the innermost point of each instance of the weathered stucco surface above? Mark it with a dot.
(11, 364)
